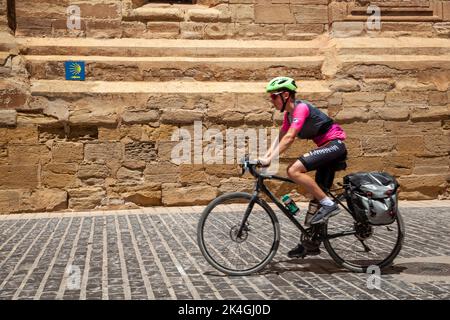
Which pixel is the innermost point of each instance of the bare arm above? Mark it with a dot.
(286, 139)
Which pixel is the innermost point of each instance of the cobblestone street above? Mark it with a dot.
(152, 253)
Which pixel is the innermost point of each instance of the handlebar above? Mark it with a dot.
(250, 165)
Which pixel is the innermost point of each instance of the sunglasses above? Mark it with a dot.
(273, 96)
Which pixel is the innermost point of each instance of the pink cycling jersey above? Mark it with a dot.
(299, 116)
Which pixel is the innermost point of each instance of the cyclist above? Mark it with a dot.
(305, 121)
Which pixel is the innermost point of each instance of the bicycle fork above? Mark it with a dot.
(249, 209)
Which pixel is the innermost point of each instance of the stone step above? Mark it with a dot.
(391, 46)
(399, 64)
(108, 103)
(169, 47)
(61, 87)
(177, 68)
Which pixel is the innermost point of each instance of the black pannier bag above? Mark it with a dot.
(372, 196)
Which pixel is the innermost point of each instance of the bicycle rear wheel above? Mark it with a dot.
(218, 240)
(368, 246)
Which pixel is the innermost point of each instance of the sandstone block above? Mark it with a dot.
(67, 152)
(144, 151)
(22, 134)
(428, 185)
(273, 14)
(192, 195)
(8, 118)
(345, 85)
(431, 113)
(102, 151)
(243, 13)
(437, 98)
(9, 201)
(129, 176)
(85, 198)
(236, 184)
(203, 15)
(131, 117)
(405, 98)
(93, 170)
(19, 177)
(378, 144)
(159, 14)
(410, 144)
(363, 99)
(173, 116)
(310, 13)
(28, 154)
(344, 29)
(100, 10)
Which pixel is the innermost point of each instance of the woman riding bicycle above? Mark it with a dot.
(305, 121)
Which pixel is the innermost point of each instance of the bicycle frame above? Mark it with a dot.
(261, 187)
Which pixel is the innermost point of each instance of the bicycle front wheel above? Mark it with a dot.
(219, 239)
(364, 245)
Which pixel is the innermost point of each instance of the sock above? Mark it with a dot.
(326, 202)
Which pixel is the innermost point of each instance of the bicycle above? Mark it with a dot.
(246, 223)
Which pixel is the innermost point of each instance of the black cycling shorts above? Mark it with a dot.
(330, 152)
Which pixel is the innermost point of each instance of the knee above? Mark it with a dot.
(292, 171)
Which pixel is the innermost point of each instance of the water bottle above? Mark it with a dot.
(312, 209)
(290, 204)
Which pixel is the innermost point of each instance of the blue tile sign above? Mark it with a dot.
(75, 70)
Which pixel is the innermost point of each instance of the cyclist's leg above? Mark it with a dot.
(320, 159)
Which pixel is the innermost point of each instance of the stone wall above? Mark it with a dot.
(224, 19)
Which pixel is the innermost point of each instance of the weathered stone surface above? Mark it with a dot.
(67, 152)
(161, 172)
(8, 118)
(352, 114)
(437, 98)
(173, 194)
(174, 116)
(410, 144)
(405, 98)
(273, 14)
(102, 151)
(25, 154)
(22, 134)
(427, 185)
(104, 115)
(9, 200)
(93, 170)
(144, 151)
(19, 177)
(363, 99)
(60, 175)
(203, 15)
(378, 144)
(158, 14)
(345, 85)
(100, 10)
(391, 113)
(343, 29)
(431, 113)
(236, 184)
(12, 96)
(310, 13)
(242, 13)
(129, 176)
(85, 198)
(131, 117)
(442, 28)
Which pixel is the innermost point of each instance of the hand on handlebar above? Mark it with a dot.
(264, 162)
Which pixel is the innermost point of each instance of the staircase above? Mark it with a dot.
(109, 137)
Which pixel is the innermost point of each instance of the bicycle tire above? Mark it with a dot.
(381, 264)
(203, 246)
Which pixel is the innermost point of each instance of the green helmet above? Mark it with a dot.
(281, 83)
